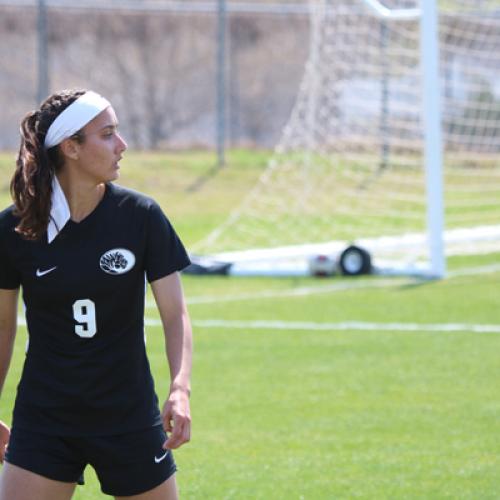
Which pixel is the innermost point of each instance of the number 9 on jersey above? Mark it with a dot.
(84, 315)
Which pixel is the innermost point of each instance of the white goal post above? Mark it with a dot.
(433, 157)
(396, 129)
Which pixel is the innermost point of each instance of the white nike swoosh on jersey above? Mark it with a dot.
(158, 460)
(43, 273)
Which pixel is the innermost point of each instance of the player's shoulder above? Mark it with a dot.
(8, 223)
(127, 198)
(8, 220)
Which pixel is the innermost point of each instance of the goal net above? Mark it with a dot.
(350, 165)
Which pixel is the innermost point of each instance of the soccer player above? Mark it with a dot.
(81, 248)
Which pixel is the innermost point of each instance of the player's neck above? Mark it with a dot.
(82, 197)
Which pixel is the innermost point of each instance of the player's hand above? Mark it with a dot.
(176, 419)
(4, 440)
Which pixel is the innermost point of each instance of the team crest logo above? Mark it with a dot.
(117, 261)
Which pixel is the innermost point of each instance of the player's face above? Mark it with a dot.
(102, 147)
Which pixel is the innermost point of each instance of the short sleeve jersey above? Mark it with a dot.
(86, 371)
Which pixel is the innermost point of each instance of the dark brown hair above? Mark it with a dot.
(31, 184)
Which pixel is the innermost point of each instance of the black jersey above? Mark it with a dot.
(86, 370)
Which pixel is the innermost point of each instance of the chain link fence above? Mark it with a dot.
(158, 66)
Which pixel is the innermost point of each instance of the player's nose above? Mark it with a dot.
(121, 144)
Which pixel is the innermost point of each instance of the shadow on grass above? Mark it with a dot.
(418, 282)
(200, 181)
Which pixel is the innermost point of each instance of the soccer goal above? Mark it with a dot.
(392, 146)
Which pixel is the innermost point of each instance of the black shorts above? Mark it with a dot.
(126, 464)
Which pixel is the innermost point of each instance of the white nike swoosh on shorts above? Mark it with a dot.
(158, 460)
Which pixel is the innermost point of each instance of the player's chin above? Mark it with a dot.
(114, 174)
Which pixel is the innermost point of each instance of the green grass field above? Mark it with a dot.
(291, 399)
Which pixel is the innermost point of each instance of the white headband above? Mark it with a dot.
(74, 117)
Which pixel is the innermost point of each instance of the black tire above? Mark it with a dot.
(354, 261)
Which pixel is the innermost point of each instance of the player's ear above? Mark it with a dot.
(69, 148)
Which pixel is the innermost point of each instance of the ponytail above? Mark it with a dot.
(31, 185)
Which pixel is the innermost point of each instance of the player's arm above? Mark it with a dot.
(176, 416)
(8, 325)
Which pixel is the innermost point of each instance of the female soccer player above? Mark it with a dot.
(81, 248)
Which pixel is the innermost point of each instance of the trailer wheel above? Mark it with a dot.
(354, 261)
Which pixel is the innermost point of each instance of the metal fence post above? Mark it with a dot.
(220, 82)
(43, 53)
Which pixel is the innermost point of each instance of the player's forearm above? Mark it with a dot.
(7, 337)
(179, 346)
(8, 326)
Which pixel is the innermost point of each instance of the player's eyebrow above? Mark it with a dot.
(112, 126)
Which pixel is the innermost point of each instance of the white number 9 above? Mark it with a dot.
(84, 312)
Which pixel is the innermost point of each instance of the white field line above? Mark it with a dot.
(358, 284)
(298, 292)
(341, 326)
(471, 271)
